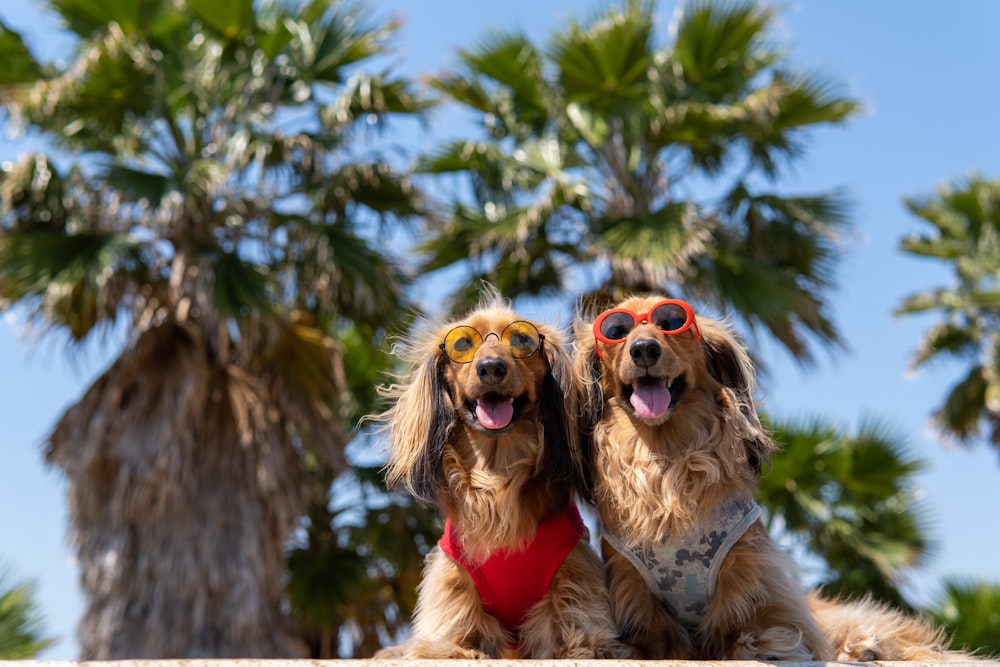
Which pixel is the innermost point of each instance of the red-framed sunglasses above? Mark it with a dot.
(670, 316)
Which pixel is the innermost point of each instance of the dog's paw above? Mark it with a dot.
(596, 649)
(430, 649)
(615, 651)
(860, 646)
(390, 653)
(776, 643)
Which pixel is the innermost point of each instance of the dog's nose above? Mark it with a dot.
(645, 352)
(491, 370)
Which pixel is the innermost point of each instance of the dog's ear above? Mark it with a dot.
(588, 370)
(561, 459)
(728, 361)
(726, 358)
(419, 423)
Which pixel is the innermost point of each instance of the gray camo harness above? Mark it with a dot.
(682, 569)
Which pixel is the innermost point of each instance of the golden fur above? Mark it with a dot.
(864, 630)
(495, 487)
(652, 476)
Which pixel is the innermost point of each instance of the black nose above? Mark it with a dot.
(491, 370)
(645, 352)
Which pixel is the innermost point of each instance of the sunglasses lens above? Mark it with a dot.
(522, 337)
(616, 326)
(461, 343)
(669, 317)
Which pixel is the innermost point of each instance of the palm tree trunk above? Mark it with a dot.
(183, 491)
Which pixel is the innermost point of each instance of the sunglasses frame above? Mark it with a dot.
(482, 339)
(644, 318)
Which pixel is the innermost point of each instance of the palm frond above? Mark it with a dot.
(85, 17)
(721, 46)
(360, 281)
(946, 339)
(325, 42)
(377, 187)
(664, 237)
(33, 193)
(21, 621)
(136, 184)
(510, 60)
(370, 98)
(232, 20)
(849, 499)
(78, 280)
(239, 287)
(963, 406)
(970, 610)
(964, 232)
(606, 62)
(771, 118)
(20, 66)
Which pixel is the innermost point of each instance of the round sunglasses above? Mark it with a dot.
(670, 316)
(523, 339)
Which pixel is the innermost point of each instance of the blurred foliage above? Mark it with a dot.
(970, 611)
(21, 620)
(849, 500)
(650, 164)
(961, 230)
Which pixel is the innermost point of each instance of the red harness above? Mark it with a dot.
(511, 582)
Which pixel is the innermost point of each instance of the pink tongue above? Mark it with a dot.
(494, 414)
(649, 401)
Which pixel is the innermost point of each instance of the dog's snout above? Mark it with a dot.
(491, 370)
(645, 352)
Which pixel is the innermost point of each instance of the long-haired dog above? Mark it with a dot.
(674, 451)
(484, 427)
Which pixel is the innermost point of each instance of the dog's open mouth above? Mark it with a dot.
(496, 411)
(651, 397)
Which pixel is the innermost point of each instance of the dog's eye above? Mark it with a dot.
(461, 344)
(617, 325)
(520, 340)
(522, 337)
(670, 317)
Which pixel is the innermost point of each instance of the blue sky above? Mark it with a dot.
(927, 75)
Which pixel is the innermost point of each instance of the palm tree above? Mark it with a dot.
(641, 165)
(213, 201)
(964, 232)
(970, 611)
(847, 500)
(20, 620)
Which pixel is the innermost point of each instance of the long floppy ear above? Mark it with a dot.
(419, 423)
(728, 361)
(561, 460)
(588, 369)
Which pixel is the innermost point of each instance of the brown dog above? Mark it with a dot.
(674, 454)
(674, 451)
(481, 427)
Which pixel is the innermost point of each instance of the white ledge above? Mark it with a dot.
(247, 662)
